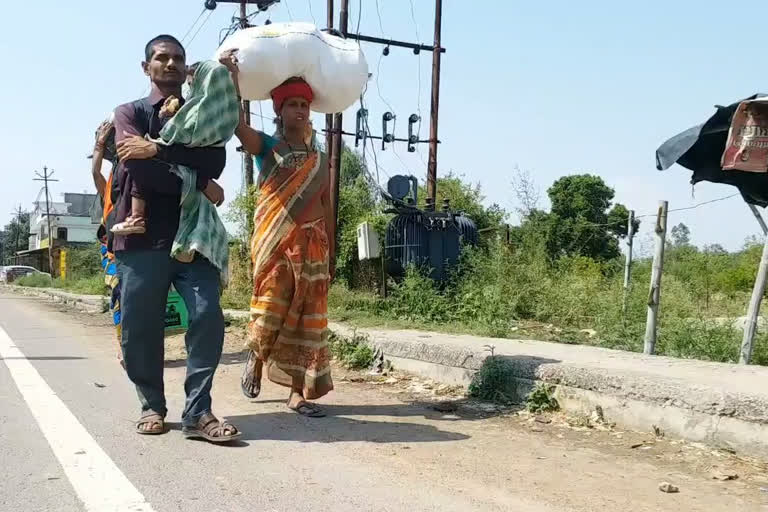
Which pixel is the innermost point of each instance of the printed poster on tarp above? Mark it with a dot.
(747, 145)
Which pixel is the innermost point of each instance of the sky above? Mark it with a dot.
(553, 88)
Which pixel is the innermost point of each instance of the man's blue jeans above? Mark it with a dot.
(146, 276)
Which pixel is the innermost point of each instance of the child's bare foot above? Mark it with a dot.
(130, 226)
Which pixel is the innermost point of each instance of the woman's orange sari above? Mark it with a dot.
(288, 327)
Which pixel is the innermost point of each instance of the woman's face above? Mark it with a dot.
(295, 114)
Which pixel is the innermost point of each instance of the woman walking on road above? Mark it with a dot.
(291, 249)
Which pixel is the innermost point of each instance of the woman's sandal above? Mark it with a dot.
(150, 424)
(212, 430)
(250, 381)
(308, 409)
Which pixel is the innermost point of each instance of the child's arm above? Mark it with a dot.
(98, 157)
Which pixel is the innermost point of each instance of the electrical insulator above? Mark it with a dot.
(412, 138)
(360, 124)
(210, 4)
(386, 51)
(386, 137)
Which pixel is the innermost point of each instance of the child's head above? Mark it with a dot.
(191, 69)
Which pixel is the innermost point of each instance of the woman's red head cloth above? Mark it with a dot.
(291, 89)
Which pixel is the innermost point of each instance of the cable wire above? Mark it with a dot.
(189, 30)
(692, 207)
(210, 13)
(378, 12)
(311, 13)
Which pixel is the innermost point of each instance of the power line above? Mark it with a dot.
(378, 12)
(261, 115)
(200, 28)
(288, 8)
(359, 18)
(418, 61)
(692, 207)
(189, 30)
(311, 13)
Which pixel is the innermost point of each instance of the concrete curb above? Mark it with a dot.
(87, 303)
(634, 400)
(725, 406)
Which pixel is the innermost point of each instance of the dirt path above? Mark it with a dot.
(457, 454)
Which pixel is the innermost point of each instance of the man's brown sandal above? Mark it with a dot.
(212, 430)
(150, 424)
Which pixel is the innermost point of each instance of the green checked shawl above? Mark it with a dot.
(208, 118)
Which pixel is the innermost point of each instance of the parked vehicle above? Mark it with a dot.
(10, 273)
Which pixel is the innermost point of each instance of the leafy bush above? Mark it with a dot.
(494, 382)
(354, 353)
(35, 281)
(541, 399)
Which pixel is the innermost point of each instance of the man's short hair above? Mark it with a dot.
(163, 38)
(192, 68)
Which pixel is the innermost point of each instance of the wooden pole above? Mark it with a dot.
(334, 155)
(247, 158)
(750, 327)
(329, 117)
(433, 119)
(628, 262)
(654, 296)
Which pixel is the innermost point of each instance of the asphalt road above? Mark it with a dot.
(67, 444)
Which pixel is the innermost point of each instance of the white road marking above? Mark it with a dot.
(98, 482)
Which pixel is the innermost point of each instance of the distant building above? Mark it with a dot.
(73, 221)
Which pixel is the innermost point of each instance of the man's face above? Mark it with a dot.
(295, 113)
(167, 65)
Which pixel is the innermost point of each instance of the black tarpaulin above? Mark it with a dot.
(700, 149)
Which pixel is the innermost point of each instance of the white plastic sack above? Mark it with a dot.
(269, 55)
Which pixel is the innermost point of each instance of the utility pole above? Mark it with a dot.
(654, 296)
(628, 262)
(337, 129)
(247, 113)
(46, 177)
(750, 327)
(338, 125)
(432, 164)
(331, 137)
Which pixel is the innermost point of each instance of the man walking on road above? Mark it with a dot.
(144, 262)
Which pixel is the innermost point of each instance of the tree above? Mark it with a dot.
(358, 203)
(681, 235)
(715, 249)
(582, 222)
(526, 191)
(16, 234)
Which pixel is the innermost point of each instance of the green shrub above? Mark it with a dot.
(494, 382)
(354, 353)
(35, 281)
(541, 399)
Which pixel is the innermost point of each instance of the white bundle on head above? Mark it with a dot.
(269, 55)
